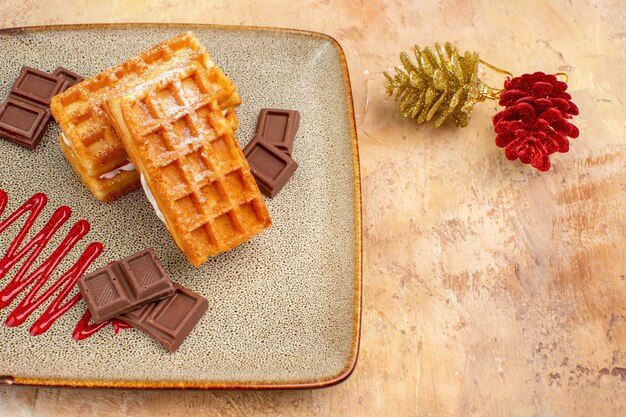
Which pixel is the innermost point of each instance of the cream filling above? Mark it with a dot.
(117, 171)
(150, 197)
(66, 140)
(107, 175)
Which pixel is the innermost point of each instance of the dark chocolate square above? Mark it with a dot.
(70, 77)
(37, 86)
(171, 319)
(22, 122)
(147, 276)
(271, 167)
(279, 127)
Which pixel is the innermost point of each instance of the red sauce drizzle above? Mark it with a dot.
(42, 273)
(85, 329)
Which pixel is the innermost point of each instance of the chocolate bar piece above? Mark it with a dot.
(22, 122)
(124, 285)
(37, 86)
(25, 114)
(70, 77)
(171, 319)
(271, 167)
(279, 127)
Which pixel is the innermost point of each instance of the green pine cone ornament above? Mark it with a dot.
(438, 85)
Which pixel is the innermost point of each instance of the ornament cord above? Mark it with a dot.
(486, 91)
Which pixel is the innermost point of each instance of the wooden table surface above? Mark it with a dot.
(489, 288)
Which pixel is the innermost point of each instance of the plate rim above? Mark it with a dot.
(358, 242)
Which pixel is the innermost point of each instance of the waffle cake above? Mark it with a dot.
(184, 148)
(96, 149)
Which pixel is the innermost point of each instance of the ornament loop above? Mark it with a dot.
(564, 74)
(486, 91)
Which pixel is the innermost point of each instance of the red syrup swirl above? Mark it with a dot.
(39, 277)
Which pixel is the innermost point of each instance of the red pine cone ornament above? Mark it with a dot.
(534, 123)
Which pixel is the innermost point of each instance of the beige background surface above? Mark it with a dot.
(489, 288)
